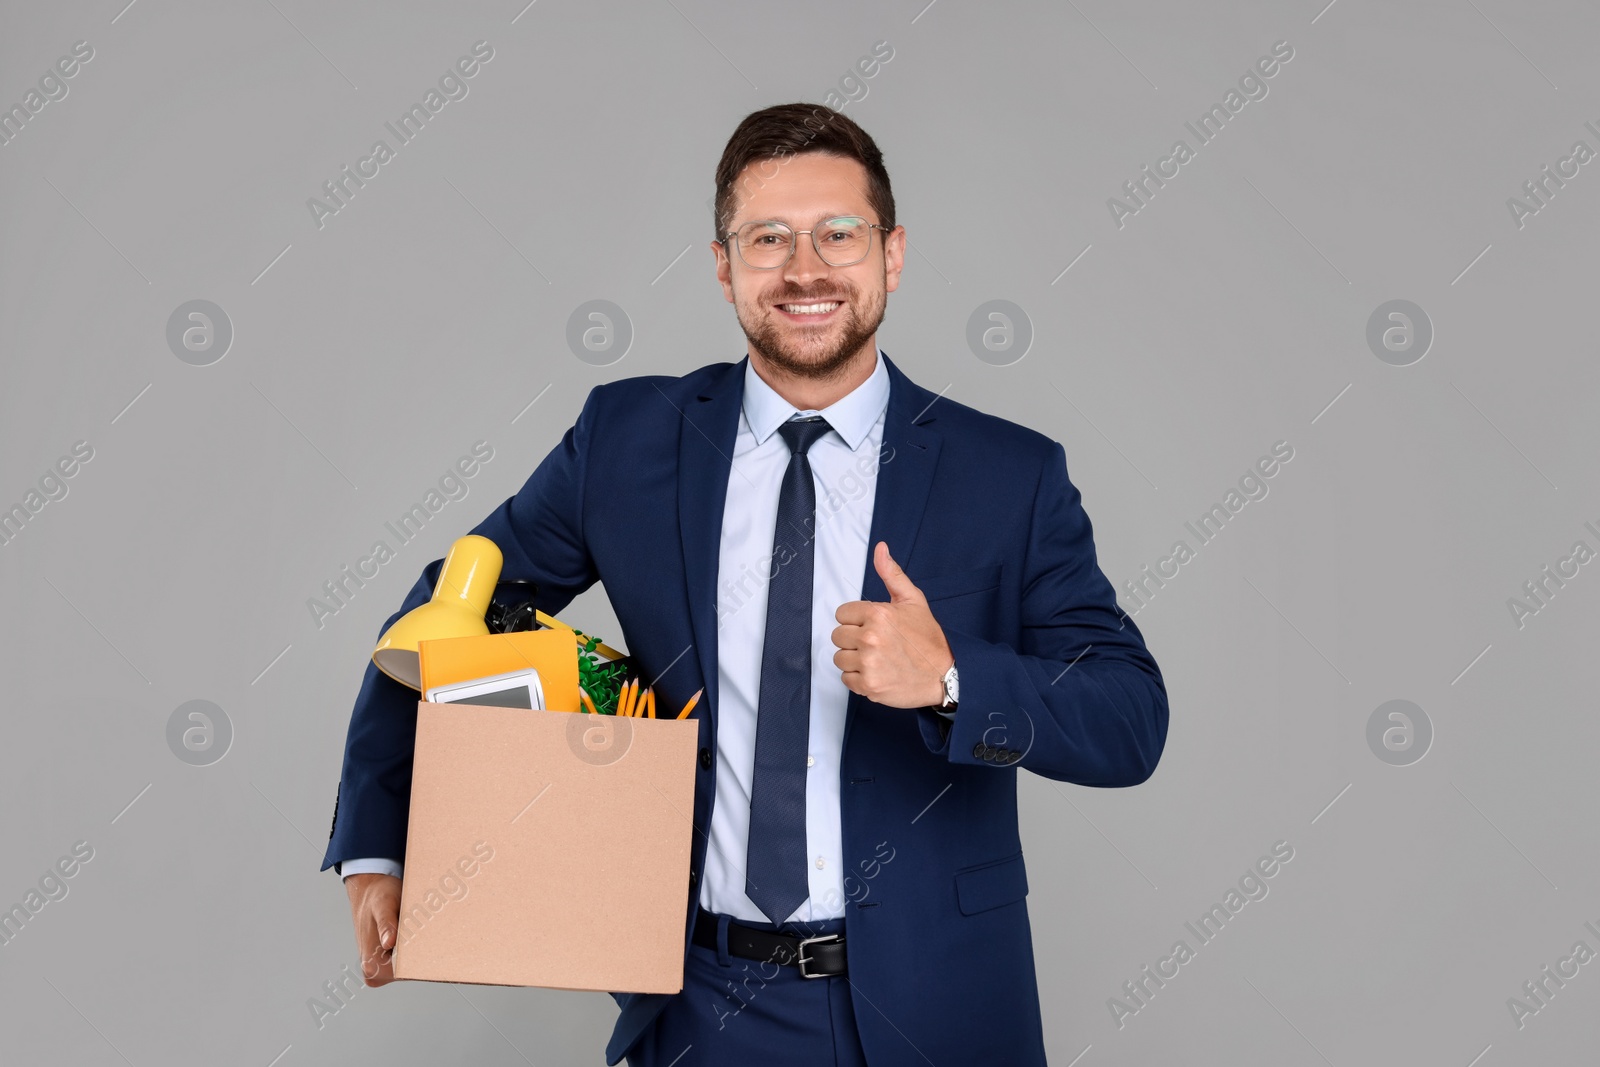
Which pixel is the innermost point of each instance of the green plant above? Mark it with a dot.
(601, 678)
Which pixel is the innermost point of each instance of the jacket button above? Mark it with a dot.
(705, 758)
(980, 751)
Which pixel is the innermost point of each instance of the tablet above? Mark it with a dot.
(517, 689)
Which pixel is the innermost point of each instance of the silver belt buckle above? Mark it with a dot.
(802, 959)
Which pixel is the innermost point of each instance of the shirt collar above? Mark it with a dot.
(852, 415)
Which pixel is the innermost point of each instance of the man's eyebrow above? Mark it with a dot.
(820, 218)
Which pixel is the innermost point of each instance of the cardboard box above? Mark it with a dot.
(547, 848)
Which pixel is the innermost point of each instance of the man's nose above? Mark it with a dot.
(805, 263)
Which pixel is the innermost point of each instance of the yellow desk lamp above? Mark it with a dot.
(460, 602)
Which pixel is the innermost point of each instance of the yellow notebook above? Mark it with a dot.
(553, 653)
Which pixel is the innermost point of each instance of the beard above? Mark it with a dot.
(809, 352)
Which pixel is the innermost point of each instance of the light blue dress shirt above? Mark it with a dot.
(844, 467)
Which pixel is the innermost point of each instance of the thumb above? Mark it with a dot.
(385, 925)
(895, 580)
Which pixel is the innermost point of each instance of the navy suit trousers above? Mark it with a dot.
(735, 1011)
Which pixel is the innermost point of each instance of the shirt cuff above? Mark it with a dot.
(949, 714)
(369, 865)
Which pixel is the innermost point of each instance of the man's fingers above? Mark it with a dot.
(851, 613)
(377, 972)
(385, 907)
(863, 612)
(846, 637)
(375, 907)
(377, 955)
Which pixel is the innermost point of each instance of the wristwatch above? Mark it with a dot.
(952, 688)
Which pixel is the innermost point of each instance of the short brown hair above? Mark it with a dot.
(785, 130)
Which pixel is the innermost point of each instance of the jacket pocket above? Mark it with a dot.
(989, 885)
(956, 583)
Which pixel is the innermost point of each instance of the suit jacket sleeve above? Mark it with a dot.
(1082, 700)
(540, 533)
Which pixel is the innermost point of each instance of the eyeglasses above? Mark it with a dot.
(768, 244)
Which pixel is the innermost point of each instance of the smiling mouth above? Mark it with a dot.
(812, 312)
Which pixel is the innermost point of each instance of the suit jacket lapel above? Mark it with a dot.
(706, 437)
(906, 463)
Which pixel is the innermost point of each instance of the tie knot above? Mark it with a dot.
(802, 433)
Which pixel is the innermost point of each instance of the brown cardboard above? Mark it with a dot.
(547, 848)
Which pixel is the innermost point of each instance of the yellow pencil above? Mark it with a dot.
(588, 702)
(650, 703)
(629, 692)
(690, 706)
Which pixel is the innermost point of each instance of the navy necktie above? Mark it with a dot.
(776, 879)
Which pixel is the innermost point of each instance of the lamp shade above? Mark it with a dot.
(460, 602)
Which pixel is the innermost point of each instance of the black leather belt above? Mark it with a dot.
(817, 957)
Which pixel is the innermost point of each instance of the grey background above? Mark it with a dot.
(1230, 313)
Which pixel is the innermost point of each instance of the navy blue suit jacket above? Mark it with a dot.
(1055, 678)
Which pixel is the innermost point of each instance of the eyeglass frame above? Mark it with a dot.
(812, 233)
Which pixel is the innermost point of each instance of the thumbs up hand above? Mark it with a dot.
(892, 653)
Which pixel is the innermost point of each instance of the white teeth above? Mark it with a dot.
(809, 309)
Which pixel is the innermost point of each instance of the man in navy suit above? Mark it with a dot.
(891, 601)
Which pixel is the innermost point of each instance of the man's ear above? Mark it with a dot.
(724, 269)
(894, 257)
